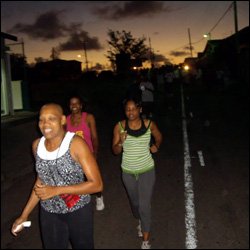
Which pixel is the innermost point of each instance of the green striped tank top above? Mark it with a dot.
(136, 157)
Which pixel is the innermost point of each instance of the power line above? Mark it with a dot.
(221, 18)
(183, 46)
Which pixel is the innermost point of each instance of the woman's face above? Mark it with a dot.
(132, 110)
(51, 121)
(75, 105)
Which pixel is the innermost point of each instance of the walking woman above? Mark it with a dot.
(132, 138)
(62, 161)
(84, 125)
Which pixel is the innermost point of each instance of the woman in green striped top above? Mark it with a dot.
(132, 138)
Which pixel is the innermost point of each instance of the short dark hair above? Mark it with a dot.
(133, 99)
(77, 97)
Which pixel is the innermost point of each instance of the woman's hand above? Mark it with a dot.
(154, 149)
(45, 192)
(17, 225)
(123, 136)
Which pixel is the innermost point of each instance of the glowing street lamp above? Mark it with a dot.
(208, 36)
(79, 56)
(186, 67)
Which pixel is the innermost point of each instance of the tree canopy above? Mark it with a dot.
(124, 43)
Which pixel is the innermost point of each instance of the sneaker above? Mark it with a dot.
(145, 245)
(139, 229)
(99, 203)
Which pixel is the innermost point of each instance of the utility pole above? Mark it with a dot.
(151, 53)
(236, 38)
(190, 44)
(236, 26)
(235, 18)
(85, 53)
(23, 48)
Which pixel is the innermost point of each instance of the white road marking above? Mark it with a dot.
(201, 159)
(190, 222)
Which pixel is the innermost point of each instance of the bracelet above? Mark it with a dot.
(120, 144)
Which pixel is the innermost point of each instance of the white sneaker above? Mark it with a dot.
(99, 203)
(145, 245)
(139, 229)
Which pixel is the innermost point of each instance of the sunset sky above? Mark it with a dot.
(65, 24)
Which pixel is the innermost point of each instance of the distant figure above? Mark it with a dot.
(84, 125)
(62, 160)
(152, 76)
(134, 91)
(169, 80)
(147, 97)
(132, 137)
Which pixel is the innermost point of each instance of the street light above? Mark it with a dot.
(79, 56)
(208, 36)
(186, 67)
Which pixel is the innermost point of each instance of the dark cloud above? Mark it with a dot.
(47, 26)
(157, 58)
(131, 9)
(179, 53)
(75, 42)
(160, 58)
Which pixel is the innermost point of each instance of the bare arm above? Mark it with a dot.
(118, 139)
(157, 136)
(94, 136)
(80, 153)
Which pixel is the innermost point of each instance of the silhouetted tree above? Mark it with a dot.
(55, 53)
(123, 43)
(40, 59)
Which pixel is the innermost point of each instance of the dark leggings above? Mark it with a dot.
(76, 227)
(140, 190)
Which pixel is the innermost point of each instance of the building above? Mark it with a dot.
(230, 54)
(58, 69)
(7, 105)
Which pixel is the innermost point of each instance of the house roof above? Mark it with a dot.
(242, 36)
(8, 36)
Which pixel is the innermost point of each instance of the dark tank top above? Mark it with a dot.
(137, 132)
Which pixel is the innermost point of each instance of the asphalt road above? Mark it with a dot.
(221, 187)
